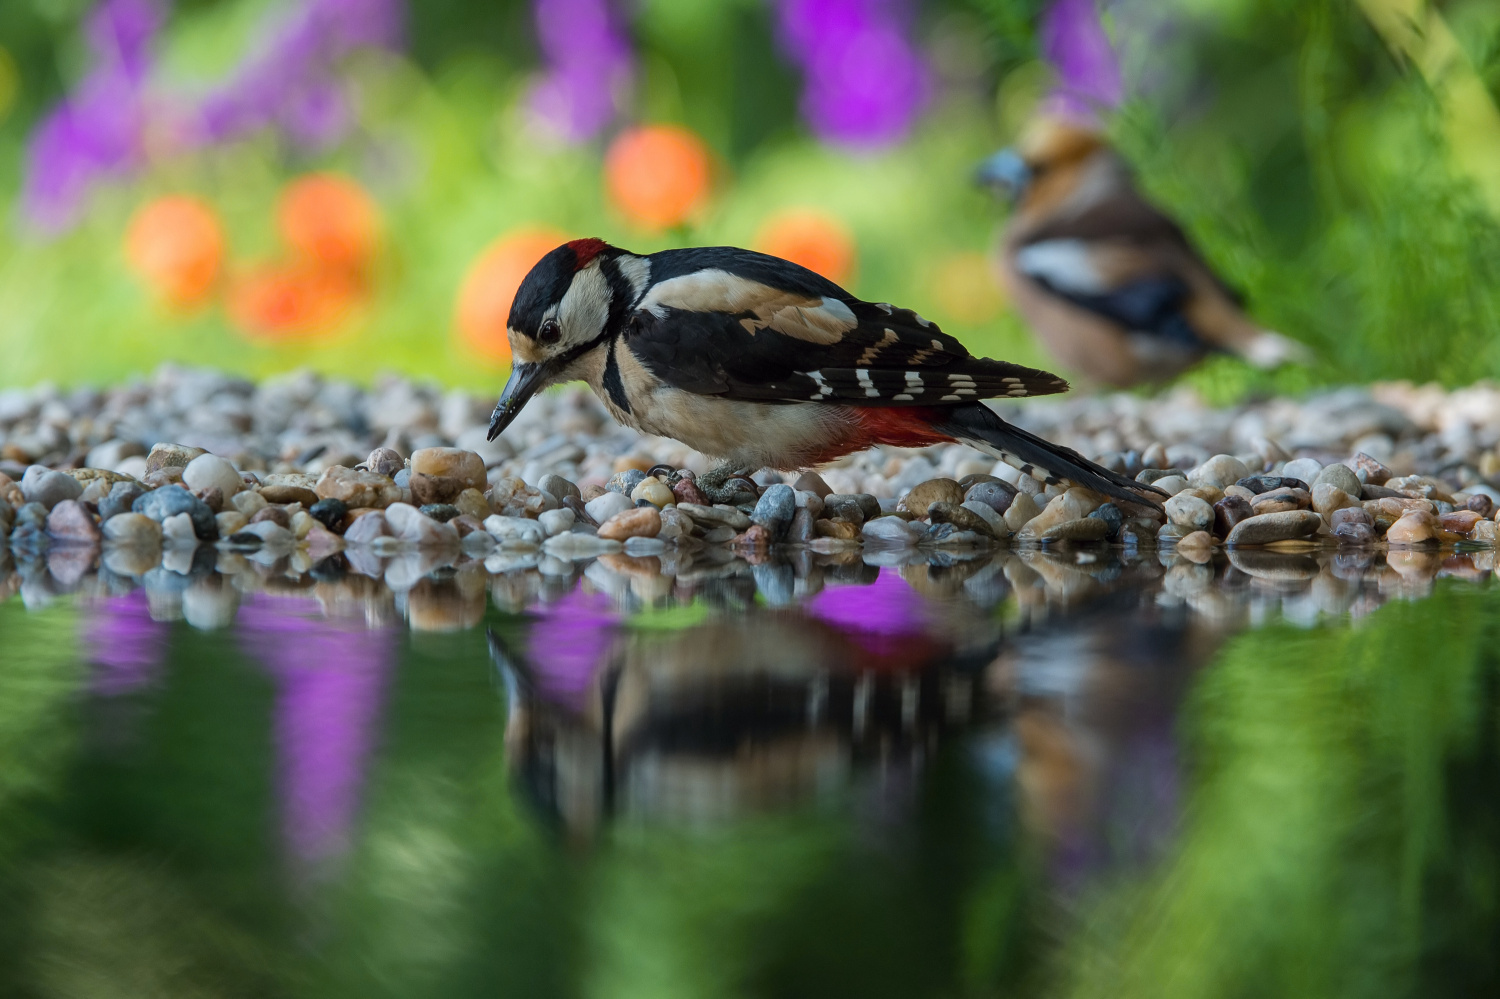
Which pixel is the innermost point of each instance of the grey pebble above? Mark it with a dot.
(774, 511)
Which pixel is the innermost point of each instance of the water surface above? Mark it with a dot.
(1039, 773)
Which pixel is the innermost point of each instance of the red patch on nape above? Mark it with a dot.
(898, 426)
(585, 250)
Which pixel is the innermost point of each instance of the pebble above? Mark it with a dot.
(1459, 521)
(229, 522)
(995, 494)
(625, 482)
(555, 522)
(988, 514)
(410, 525)
(356, 488)
(924, 494)
(1075, 504)
(1281, 500)
(70, 522)
(841, 530)
(1171, 484)
(366, 529)
(1190, 512)
(180, 530)
(169, 501)
(48, 487)
(121, 496)
(516, 532)
(775, 509)
(1151, 476)
(574, 546)
(687, 491)
(890, 530)
(720, 534)
(290, 487)
(1219, 471)
(755, 538)
(132, 529)
(1305, 469)
(273, 514)
(267, 533)
(1228, 512)
(803, 527)
(1354, 534)
(607, 505)
(440, 512)
(674, 524)
(1414, 527)
(1258, 484)
(845, 507)
(558, 486)
(653, 491)
(1481, 504)
(1341, 476)
(209, 471)
(964, 519)
(1112, 516)
(1328, 498)
(164, 456)
(1021, 511)
(329, 512)
(1265, 528)
(812, 482)
(1373, 472)
(1196, 543)
(639, 522)
(1080, 529)
(449, 463)
(716, 516)
(302, 524)
(385, 461)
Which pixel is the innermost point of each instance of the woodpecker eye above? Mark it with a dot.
(550, 332)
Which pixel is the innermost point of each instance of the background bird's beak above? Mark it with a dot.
(525, 380)
(1005, 171)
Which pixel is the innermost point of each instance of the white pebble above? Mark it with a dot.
(890, 529)
(177, 530)
(555, 522)
(208, 471)
(601, 508)
(517, 532)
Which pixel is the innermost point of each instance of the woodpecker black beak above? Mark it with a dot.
(525, 380)
(1006, 172)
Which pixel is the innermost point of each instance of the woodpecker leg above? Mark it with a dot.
(727, 483)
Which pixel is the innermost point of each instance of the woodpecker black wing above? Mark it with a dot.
(748, 326)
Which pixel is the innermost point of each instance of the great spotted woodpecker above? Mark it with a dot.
(1110, 284)
(765, 364)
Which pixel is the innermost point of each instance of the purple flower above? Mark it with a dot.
(1088, 72)
(331, 678)
(569, 643)
(589, 68)
(96, 132)
(864, 83)
(290, 81)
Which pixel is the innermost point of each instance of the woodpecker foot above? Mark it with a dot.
(728, 483)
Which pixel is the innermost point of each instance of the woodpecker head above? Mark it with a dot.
(565, 308)
(1048, 147)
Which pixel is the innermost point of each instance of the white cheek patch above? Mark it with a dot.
(584, 310)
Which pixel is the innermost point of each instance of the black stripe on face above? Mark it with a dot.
(621, 294)
(613, 383)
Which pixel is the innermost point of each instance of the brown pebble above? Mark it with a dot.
(163, 477)
(213, 497)
(843, 530)
(1415, 527)
(960, 517)
(1460, 521)
(687, 491)
(288, 494)
(1281, 501)
(592, 491)
(427, 489)
(1480, 504)
(1229, 511)
(466, 525)
(756, 538)
(924, 494)
(275, 514)
(637, 522)
(1376, 474)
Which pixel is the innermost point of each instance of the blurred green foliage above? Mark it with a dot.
(1308, 161)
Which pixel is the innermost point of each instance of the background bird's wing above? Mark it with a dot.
(760, 328)
(1123, 259)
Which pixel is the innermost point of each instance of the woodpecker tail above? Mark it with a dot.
(978, 426)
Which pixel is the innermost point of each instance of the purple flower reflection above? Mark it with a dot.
(589, 67)
(864, 83)
(882, 618)
(1088, 72)
(568, 644)
(123, 644)
(331, 679)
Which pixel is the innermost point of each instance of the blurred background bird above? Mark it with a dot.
(1110, 284)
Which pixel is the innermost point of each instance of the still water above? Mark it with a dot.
(1033, 774)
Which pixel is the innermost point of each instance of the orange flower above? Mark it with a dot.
(176, 244)
(814, 239)
(966, 289)
(329, 220)
(275, 301)
(657, 176)
(490, 284)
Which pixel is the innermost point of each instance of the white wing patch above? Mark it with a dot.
(815, 320)
(1065, 264)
